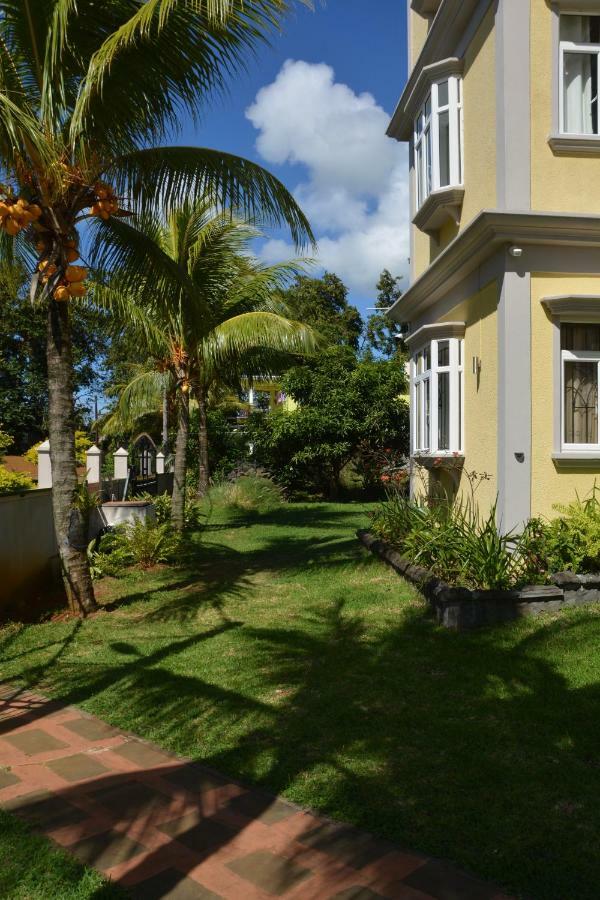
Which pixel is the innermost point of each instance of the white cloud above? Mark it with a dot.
(355, 190)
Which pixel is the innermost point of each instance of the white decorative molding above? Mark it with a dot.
(451, 22)
(575, 144)
(440, 460)
(440, 207)
(438, 331)
(489, 231)
(415, 94)
(577, 459)
(577, 6)
(574, 307)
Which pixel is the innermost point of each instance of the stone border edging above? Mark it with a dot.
(461, 609)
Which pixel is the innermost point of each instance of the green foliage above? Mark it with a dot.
(347, 407)
(227, 446)
(143, 543)
(161, 504)
(6, 441)
(249, 493)
(323, 304)
(571, 542)
(381, 333)
(13, 482)
(459, 544)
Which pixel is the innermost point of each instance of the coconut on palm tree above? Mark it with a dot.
(209, 315)
(87, 90)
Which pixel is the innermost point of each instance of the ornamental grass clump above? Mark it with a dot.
(454, 541)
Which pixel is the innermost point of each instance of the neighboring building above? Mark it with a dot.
(502, 115)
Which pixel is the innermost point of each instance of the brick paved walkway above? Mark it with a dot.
(165, 827)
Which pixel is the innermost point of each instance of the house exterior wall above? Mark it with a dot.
(552, 483)
(479, 93)
(418, 28)
(560, 183)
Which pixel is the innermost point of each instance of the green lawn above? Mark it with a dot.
(282, 654)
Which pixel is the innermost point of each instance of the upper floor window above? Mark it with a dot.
(438, 139)
(580, 363)
(580, 71)
(437, 397)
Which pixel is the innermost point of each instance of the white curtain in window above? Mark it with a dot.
(578, 92)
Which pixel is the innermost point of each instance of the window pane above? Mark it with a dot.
(581, 403)
(444, 128)
(443, 353)
(444, 411)
(418, 415)
(443, 93)
(580, 29)
(429, 155)
(580, 337)
(580, 93)
(427, 358)
(460, 408)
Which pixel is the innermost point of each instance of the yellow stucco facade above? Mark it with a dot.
(528, 231)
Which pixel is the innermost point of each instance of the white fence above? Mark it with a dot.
(28, 549)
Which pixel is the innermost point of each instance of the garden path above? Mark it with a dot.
(164, 827)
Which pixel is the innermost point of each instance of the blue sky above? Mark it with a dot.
(315, 126)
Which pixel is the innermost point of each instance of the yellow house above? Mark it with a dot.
(501, 112)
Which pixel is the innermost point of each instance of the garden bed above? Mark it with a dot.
(461, 609)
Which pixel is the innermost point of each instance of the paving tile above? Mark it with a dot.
(196, 779)
(7, 779)
(46, 810)
(261, 807)
(208, 834)
(346, 844)
(130, 800)
(142, 754)
(78, 767)
(34, 741)
(91, 729)
(171, 885)
(443, 882)
(274, 874)
(103, 851)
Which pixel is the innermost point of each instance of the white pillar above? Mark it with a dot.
(160, 463)
(93, 464)
(121, 464)
(44, 468)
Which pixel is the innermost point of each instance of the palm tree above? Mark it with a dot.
(87, 90)
(208, 313)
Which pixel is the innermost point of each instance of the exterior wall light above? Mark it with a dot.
(517, 252)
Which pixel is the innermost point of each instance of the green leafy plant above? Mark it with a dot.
(250, 493)
(162, 506)
(13, 482)
(150, 543)
(6, 441)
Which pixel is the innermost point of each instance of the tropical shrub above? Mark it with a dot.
(256, 493)
(161, 503)
(82, 444)
(571, 542)
(6, 441)
(12, 482)
(143, 543)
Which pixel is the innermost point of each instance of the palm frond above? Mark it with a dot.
(255, 331)
(165, 177)
(142, 396)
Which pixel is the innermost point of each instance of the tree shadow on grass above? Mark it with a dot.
(472, 747)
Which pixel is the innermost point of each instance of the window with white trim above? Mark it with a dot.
(437, 397)
(438, 139)
(580, 365)
(579, 74)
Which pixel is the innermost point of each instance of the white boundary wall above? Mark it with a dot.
(28, 548)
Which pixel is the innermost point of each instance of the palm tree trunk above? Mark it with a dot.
(69, 524)
(183, 427)
(203, 465)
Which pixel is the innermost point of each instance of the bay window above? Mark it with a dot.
(437, 397)
(580, 364)
(438, 139)
(579, 74)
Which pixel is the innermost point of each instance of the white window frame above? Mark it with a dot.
(427, 140)
(420, 444)
(588, 356)
(574, 47)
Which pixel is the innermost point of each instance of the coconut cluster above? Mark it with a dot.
(72, 283)
(106, 203)
(16, 214)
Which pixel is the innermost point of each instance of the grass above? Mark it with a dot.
(282, 654)
(31, 868)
